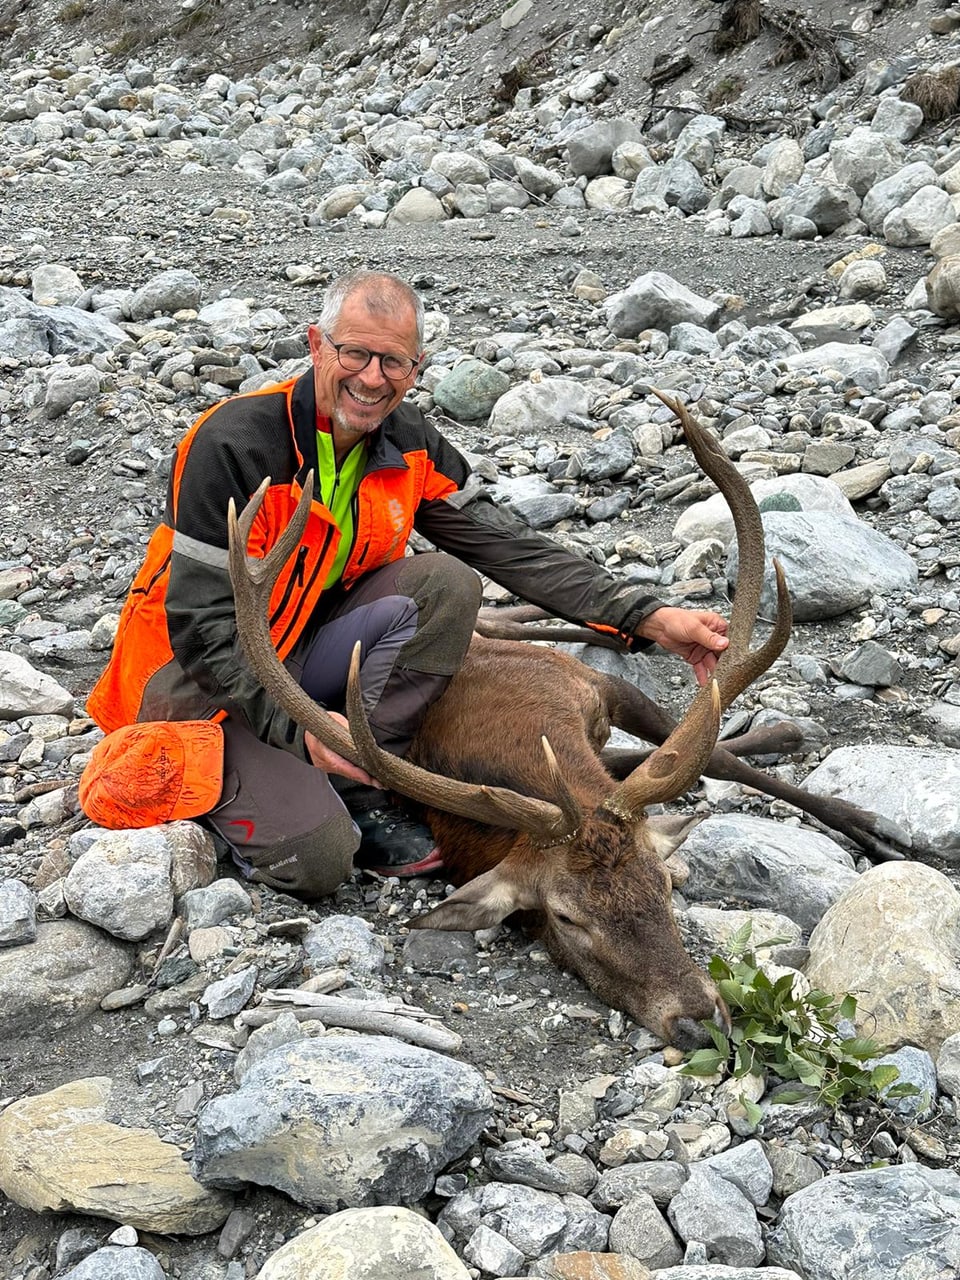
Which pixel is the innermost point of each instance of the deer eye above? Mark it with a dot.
(561, 917)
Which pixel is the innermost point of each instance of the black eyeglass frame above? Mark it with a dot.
(371, 355)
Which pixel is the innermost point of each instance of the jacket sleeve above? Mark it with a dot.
(496, 542)
(201, 619)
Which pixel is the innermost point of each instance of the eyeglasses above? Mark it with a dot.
(356, 359)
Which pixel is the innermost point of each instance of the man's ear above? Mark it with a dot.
(315, 339)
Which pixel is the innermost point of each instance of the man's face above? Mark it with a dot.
(358, 402)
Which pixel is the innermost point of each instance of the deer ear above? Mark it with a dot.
(667, 831)
(480, 904)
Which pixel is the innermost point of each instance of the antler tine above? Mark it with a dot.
(738, 666)
(565, 797)
(495, 806)
(253, 581)
(677, 763)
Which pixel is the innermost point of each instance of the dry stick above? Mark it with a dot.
(291, 995)
(174, 935)
(359, 1018)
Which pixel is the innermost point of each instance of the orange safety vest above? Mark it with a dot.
(405, 468)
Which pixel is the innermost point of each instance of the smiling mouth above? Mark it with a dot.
(368, 402)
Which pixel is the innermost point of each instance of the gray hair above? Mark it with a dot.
(384, 294)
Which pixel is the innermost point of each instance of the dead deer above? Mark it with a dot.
(529, 820)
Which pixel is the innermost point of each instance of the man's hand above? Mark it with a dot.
(697, 636)
(330, 762)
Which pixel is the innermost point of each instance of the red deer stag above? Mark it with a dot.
(526, 815)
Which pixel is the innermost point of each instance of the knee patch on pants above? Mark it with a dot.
(447, 594)
(311, 865)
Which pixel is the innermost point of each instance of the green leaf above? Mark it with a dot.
(752, 1111)
(792, 1095)
(902, 1090)
(743, 1063)
(704, 1062)
(783, 985)
(718, 1038)
(731, 991)
(862, 1048)
(884, 1076)
(848, 1007)
(737, 942)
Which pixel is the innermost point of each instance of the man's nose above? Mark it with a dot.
(373, 375)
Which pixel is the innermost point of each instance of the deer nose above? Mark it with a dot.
(690, 1033)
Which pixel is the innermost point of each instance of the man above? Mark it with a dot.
(296, 815)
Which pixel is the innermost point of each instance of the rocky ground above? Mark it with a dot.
(164, 238)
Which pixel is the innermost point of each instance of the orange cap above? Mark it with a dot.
(158, 771)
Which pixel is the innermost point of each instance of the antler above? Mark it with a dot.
(682, 757)
(253, 581)
(739, 666)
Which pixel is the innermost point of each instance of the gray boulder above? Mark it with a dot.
(710, 1209)
(899, 1223)
(828, 205)
(590, 150)
(536, 406)
(415, 206)
(916, 222)
(896, 118)
(470, 390)
(832, 564)
(894, 939)
(353, 1121)
(916, 787)
(543, 511)
(784, 167)
(168, 292)
(366, 1244)
(864, 157)
(657, 301)
(460, 166)
(60, 977)
(18, 914)
(850, 360)
(53, 284)
(344, 941)
(674, 184)
(943, 287)
(765, 864)
(123, 883)
(893, 192)
(116, 1262)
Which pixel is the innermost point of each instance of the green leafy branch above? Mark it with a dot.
(790, 1034)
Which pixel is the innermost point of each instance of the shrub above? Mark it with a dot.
(792, 1035)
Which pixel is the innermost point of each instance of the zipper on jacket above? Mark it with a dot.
(145, 591)
(295, 579)
(355, 509)
(306, 588)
